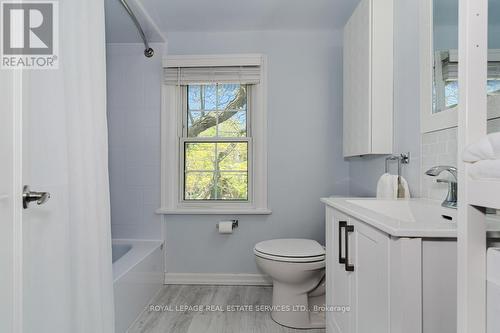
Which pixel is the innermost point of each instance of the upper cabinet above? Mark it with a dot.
(368, 79)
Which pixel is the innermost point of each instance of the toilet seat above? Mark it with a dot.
(290, 250)
(289, 259)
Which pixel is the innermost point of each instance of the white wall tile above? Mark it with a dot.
(134, 86)
(438, 148)
(441, 148)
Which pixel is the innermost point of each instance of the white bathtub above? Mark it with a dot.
(138, 275)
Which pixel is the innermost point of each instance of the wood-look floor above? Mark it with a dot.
(176, 318)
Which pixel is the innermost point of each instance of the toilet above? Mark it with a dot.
(297, 268)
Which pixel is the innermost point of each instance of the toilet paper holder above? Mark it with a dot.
(235, 224)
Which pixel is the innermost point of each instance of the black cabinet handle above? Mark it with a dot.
(348, 229)
(342, 224)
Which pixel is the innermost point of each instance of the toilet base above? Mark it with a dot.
(297, 310)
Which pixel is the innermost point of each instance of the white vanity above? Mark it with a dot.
(391, 266)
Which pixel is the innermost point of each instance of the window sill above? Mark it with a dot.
(215, 211)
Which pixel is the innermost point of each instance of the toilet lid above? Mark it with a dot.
(291, 248)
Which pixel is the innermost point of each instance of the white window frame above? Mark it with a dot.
(172, 119)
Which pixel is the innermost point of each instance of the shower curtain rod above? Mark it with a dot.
(148, 52)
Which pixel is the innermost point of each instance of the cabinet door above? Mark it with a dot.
(338, 288)
(370, 258)
(368, 79)
(357, 82)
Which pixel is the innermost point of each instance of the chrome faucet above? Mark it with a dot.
(451, 198)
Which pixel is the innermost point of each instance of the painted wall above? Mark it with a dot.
(305, 148)
(133, 88)
(365, 171)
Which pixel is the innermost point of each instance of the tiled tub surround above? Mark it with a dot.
(441, 148)
(134, 86)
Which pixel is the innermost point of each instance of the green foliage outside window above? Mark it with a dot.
(218, 169)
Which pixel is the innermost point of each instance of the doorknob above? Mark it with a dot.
(29, 196)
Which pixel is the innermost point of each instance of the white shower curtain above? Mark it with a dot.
(67, 271)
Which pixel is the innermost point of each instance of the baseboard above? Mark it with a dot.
(218, 279)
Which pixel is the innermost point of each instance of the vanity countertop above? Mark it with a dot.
(407, 217)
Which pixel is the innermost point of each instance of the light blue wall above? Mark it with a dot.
(305, 140)
(365, 171)
(305, 148)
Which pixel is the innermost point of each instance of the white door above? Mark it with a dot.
(339, 287)
(55, 256)
(370, 258)
(10, 202)
(34, 279)
(46, 261)
(29, 256)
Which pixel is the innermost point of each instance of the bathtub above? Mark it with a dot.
(138, 275)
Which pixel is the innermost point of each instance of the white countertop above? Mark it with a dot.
(406, 218)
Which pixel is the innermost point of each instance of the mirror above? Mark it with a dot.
(445, 55)
(439, 63)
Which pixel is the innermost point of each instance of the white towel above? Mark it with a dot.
(405, 190)
(487, 169)
(387, 187)
(488, 148)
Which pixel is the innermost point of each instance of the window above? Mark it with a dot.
(214, 154)
(216, 142)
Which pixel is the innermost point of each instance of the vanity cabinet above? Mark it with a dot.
(391, 266)
(368, 79)
(357, 276)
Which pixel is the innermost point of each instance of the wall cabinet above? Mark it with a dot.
(377, 283)
(368, 79)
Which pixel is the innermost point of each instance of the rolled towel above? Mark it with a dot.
(403, 189)
(388, 187)
(488, 148)
(487, 169)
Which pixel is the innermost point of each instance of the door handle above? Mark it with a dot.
(29, 196)
(342, 224)
(348, 229)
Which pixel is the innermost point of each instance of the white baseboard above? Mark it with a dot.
(218, 279)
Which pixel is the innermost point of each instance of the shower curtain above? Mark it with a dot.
(67, 270)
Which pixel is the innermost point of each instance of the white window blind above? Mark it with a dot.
(206, 75)
(450, 70)
(449, 63)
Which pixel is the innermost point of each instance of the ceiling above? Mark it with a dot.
(121, 29)
(227, 15)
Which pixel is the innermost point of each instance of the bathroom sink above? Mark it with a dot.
(408, 210)
(405, 218)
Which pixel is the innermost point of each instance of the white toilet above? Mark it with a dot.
(297, 268)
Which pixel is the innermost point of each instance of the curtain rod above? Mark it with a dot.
(148, 52)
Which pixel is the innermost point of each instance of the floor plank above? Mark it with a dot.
(173, 314)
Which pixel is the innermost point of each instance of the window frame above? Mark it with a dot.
(174, 136)
(185, 138)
